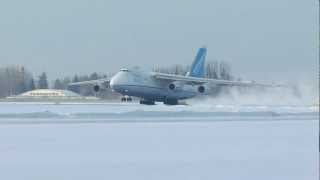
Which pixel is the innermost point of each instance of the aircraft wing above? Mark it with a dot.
(196, 80)
(91, 83)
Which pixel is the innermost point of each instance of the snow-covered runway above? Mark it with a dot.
(129, 141)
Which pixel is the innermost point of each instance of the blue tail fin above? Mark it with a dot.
(197, 67)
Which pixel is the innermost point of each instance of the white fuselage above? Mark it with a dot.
(143, 85)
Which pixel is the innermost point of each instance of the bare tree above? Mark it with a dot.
(14, 80)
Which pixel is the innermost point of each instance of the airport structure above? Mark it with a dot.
(49, 95)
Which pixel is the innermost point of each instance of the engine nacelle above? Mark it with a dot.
(96, 88)
(100, 86)
(201, 89)
(174, 86)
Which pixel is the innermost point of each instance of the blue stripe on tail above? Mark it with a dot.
(197, 68)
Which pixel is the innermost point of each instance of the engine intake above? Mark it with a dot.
(96, 88)
(172, 86)
(201, 89)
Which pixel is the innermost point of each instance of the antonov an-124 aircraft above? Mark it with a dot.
(153, 87)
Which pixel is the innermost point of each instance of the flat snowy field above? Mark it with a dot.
(130, 141)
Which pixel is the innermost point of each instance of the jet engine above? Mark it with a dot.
(175, 86)
(201, 89)
(100, 86)
(96, 88)
(172, 86)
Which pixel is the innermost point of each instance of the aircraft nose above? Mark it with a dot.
(117, 82)
(113, 83)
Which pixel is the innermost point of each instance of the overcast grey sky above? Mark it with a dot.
(259, 38)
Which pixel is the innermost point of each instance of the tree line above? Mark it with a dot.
(213, 70)
(15, 80)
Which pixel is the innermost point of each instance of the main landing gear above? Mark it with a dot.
(168, 101)
(147, 102)
(126, 99)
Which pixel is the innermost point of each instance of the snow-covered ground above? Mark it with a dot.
(131, 141)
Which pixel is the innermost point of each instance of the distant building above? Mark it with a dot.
(49, 95)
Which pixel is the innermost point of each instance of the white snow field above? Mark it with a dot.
(131, 141)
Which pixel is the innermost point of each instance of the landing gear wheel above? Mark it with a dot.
(126, 99)
(147, 102)
(170, 101)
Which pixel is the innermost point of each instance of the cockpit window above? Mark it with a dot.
(124, 70)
